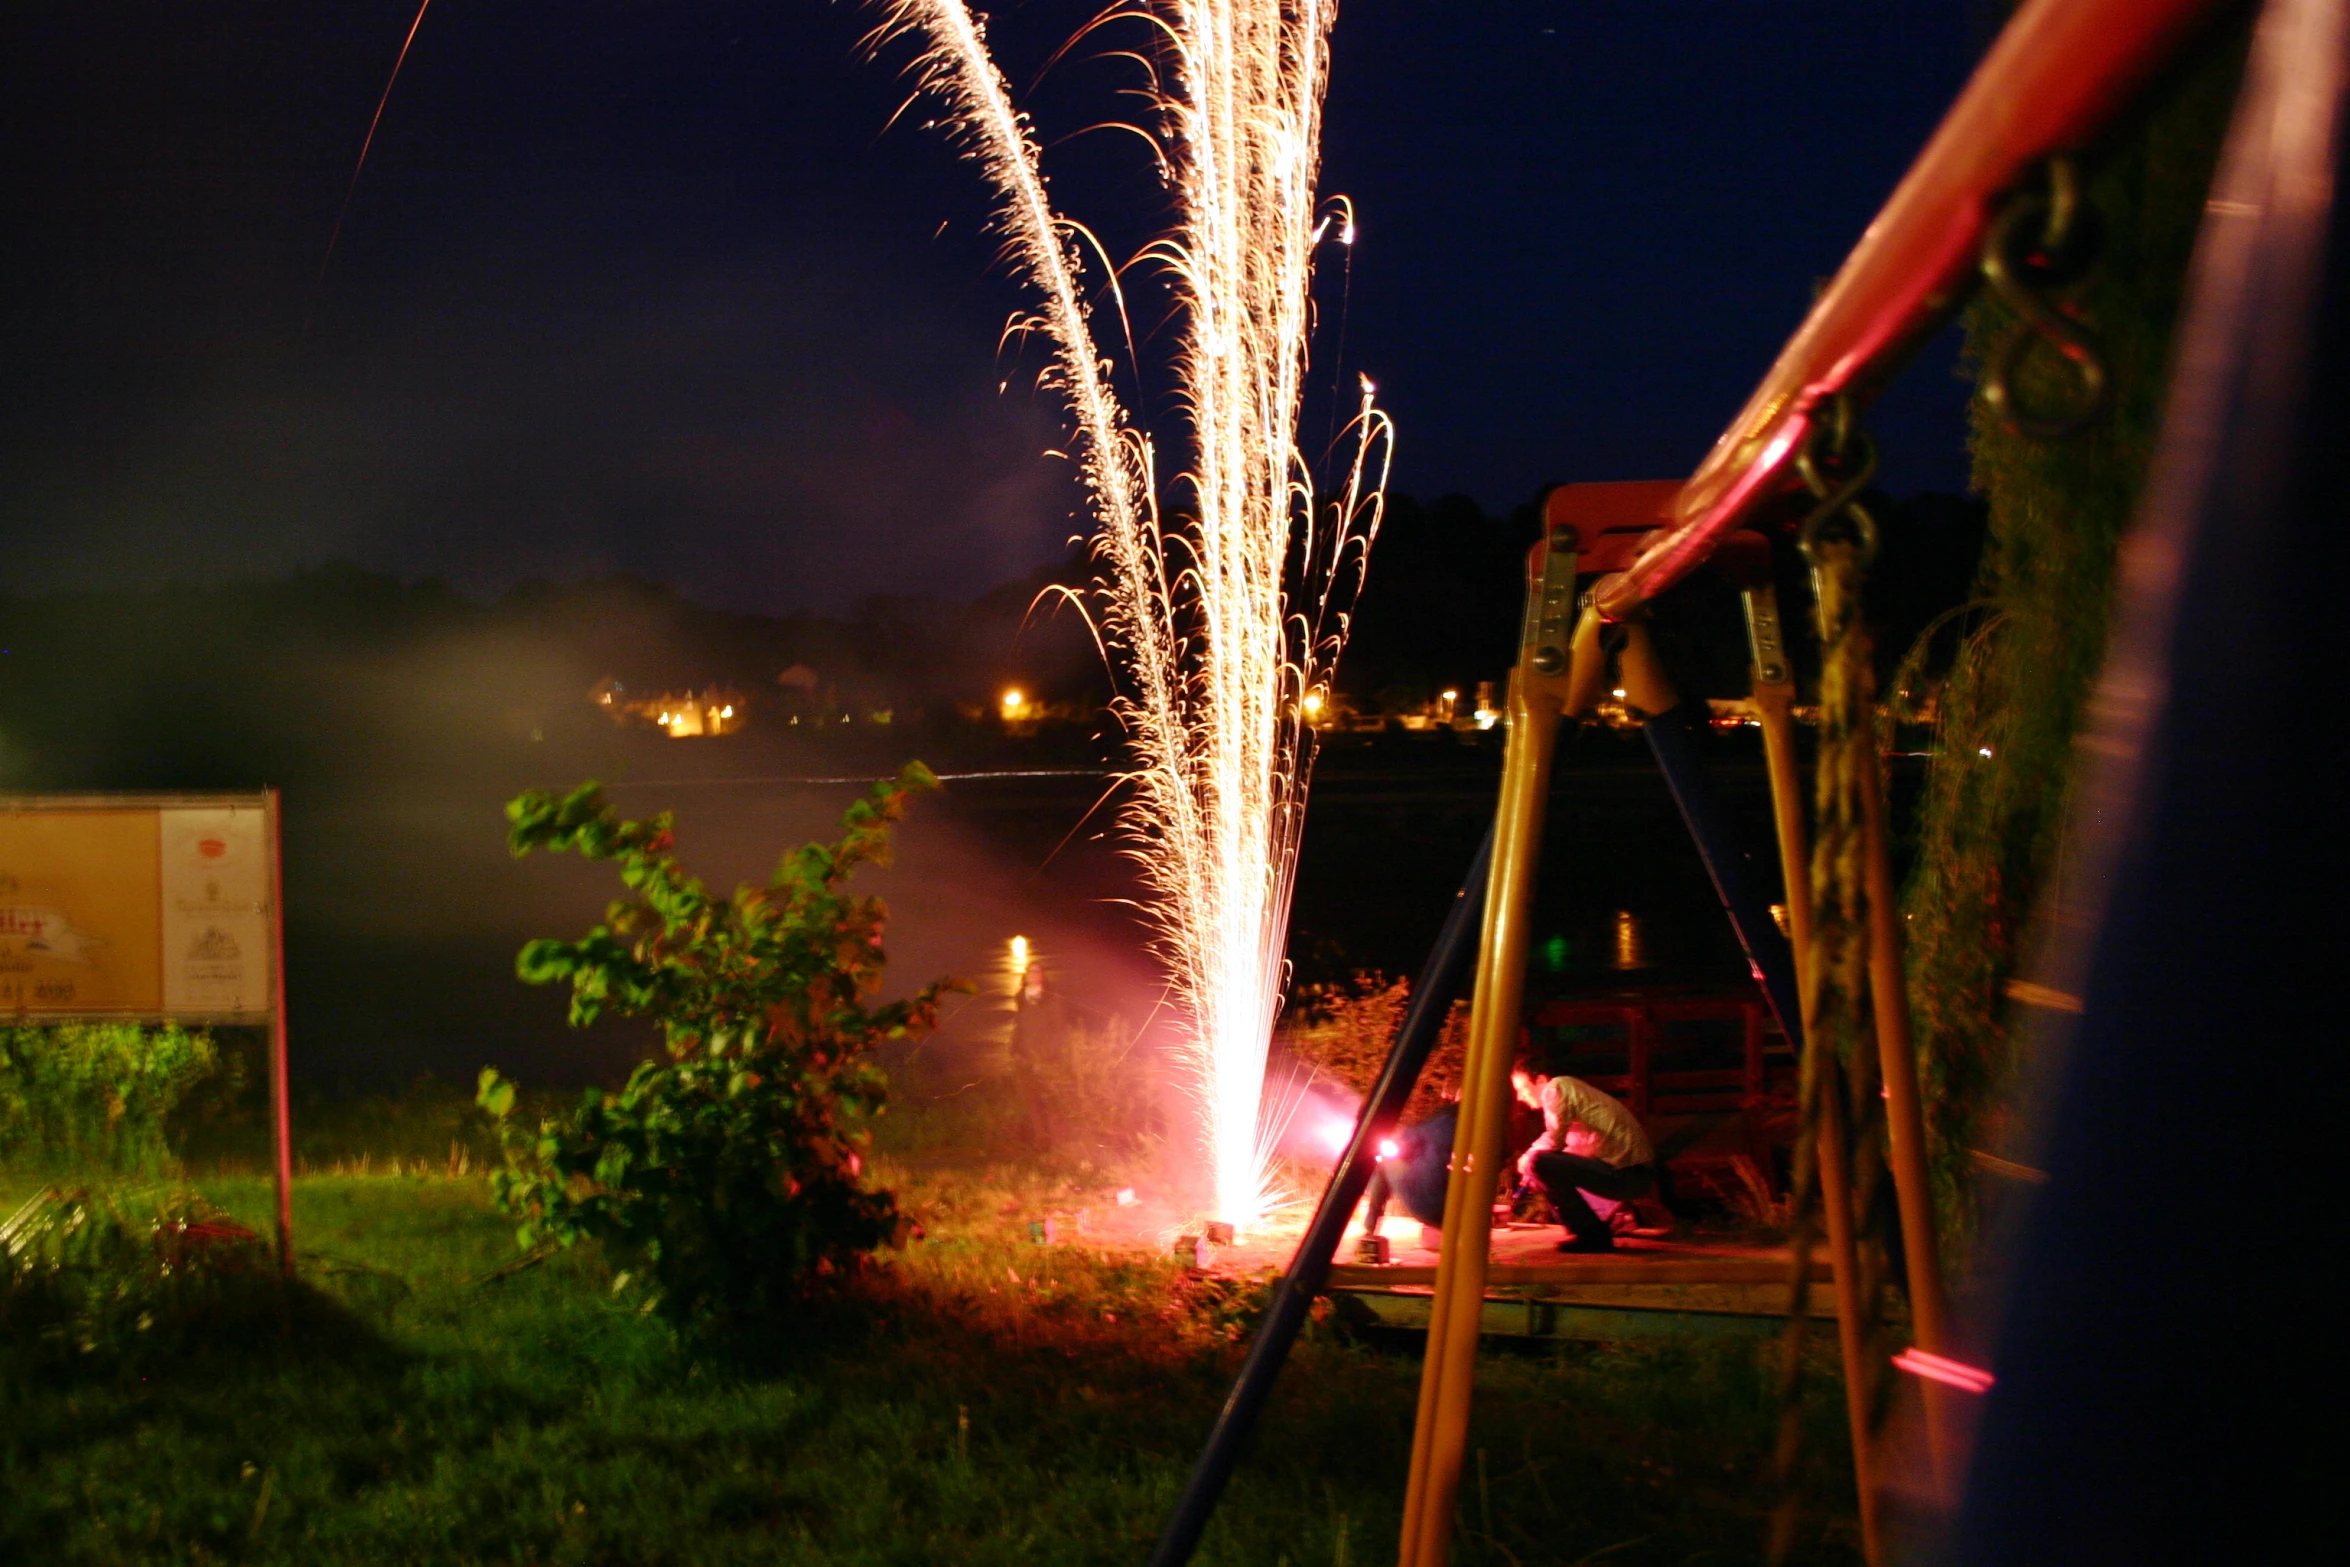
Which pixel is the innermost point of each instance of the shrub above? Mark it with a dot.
(728, 1175)
(1038, 1077)
(1097, 1086)
(97, 1097)
(86, 1286)
(1992, 817)
(1345, 1031)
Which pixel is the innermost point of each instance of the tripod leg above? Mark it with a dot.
(1441, 1434)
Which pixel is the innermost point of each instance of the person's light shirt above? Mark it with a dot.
(1578, 1119)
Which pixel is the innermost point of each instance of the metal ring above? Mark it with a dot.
(1815, 529)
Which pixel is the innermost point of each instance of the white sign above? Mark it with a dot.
(216, 929)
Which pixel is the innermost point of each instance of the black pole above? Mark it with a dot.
(1671, 740)
(1440, 980)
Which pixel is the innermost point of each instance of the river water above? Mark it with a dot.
(405, 911)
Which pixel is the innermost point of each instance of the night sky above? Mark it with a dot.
(655, 287)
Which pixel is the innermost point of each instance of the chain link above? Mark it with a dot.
(2042, 240)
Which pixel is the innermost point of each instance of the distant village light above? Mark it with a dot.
(693, 714)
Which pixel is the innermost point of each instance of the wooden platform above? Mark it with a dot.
(1646, 1288)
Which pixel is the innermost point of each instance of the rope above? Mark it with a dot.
(1839, 1064)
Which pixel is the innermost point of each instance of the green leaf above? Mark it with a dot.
(494, 1094)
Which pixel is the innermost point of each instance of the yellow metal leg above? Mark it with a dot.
(1905, 1126)
(1447, 1375)
(1465, 1138)
(1833, 1162)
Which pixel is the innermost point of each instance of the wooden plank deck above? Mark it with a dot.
(1572, 1271)
(1646, 1288)
(1529, 1254)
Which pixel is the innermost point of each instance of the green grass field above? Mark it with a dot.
(982, 1400)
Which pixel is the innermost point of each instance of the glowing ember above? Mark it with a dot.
(1217, 607)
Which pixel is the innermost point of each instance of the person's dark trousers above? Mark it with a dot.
(1377, 1195)
(1565, 1177)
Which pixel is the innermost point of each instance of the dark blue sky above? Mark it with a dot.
(646, 285)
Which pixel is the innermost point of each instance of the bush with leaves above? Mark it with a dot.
(88, 1284)
(1345, 1031)
(727, 1176)
(96, 1098)
(1991, 823)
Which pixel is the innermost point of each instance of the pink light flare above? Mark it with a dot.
(1951, 1373)
(1388, 1149)
(1320, 1124)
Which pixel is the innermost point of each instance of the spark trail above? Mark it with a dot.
(1223, 605)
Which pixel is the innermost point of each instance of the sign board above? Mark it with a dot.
(149, 908)
(131, 907)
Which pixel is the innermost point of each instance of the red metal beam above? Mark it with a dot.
(1610, 522)
(2059, 72)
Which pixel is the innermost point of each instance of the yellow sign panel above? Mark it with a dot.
(124, 908)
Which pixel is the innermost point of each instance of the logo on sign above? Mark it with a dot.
(214, 946)
(47, 932)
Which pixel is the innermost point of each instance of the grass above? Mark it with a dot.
(980, 1400)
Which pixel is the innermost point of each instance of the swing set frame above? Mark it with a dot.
(2060, 73)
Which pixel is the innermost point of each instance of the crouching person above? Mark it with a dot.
(1590, 1143)
(1412, 1171)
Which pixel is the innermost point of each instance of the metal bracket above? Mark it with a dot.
(1550, 604)
(1763, 636)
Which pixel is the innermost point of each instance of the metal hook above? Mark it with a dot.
(2040, 241)
(1837, 462)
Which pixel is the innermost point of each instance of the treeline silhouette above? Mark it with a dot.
(308, 677)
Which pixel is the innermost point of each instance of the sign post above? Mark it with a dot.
(150, 908)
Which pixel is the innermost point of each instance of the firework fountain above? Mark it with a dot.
(1221, 601)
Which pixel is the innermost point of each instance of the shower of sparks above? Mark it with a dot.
(1221, 604)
